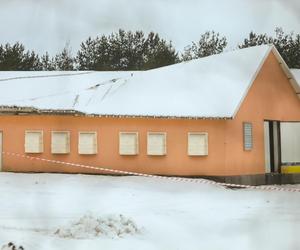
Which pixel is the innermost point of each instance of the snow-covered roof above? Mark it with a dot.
(210, 87)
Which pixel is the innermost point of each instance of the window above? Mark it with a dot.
(156, 143)
(197, 144)
(87, 143)
(128, 143)
(248, 138)
(60, 142)
(34, 142)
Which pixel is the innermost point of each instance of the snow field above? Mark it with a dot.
(166, 214)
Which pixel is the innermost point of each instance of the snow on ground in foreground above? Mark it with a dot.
(166, 215)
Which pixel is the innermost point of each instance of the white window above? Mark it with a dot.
(156, 143)
(248, 138)
(128, 143)
(197, 144)
(87, 143)
(34, 142)
(60, 142)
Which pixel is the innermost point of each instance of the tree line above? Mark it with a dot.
(127, 50)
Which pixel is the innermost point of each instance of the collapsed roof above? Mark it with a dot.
(210, 87)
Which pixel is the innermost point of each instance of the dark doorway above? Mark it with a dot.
(272, 146)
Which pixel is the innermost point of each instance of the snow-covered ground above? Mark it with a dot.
(39, 211)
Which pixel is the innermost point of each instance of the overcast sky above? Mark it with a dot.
(46, 25)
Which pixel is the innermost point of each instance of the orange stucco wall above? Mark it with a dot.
(176, 161)
(270, 97)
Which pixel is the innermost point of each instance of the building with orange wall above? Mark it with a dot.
(216, 116)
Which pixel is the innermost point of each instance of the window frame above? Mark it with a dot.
(41, 138)
(207, 142)
(165, 143)
(68, 151)
(137, 143)
(95, 150)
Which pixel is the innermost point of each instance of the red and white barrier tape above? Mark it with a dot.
(203, 181)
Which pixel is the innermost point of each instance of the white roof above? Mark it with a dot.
(210, 87)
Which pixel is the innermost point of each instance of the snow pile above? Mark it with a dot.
(90, 226)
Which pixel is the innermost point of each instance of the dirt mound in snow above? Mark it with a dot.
(89, 226)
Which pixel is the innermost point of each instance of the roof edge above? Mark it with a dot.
(18, 110)
(292, 79)
(285, 68)
(253, 79)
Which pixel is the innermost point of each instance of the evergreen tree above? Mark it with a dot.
(47, 63)
(158, 52)
(64, 60)
(255, 40)
(288, 45)
(14, 57)
(210, 43)
(88, 57)
(125, 51)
